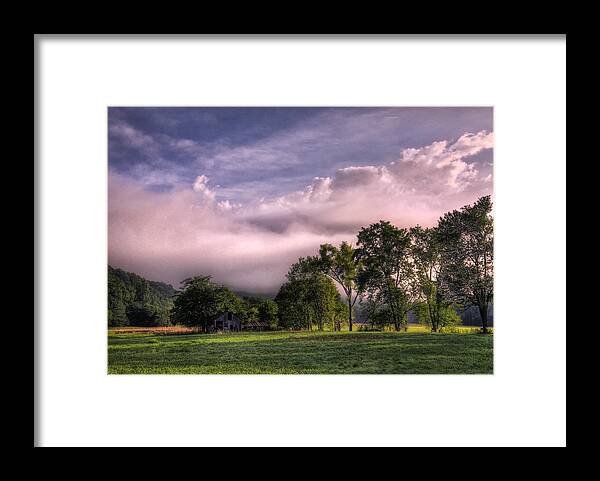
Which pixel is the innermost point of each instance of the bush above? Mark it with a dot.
(145, 316)
(447, 316)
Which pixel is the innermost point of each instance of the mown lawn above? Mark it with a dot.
(414, 352)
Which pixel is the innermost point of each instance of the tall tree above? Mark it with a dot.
(436, 309)
(267, 312)
(318, 291)
(341, 265)
(368, 306)
(292, 310)
(388, 271)
(201, 300)
(340, 314)
(467, 240)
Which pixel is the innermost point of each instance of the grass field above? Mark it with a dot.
(412, 352)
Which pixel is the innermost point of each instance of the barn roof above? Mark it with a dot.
(252, 323)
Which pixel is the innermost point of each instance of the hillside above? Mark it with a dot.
(135, 301)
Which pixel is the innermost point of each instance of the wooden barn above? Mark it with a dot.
(227, 322)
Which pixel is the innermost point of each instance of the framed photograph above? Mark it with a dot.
(288, 241)
(300, 240)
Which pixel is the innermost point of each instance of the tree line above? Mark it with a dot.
(135, 301)
(431, 272)
(391, 271)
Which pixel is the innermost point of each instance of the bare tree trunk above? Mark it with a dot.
(483, 312)
(350, 311)
(431, 319)
(393, 308)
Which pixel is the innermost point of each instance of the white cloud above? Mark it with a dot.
(419, 181)
(171, 235)
(200, 186)
(133, 137)
(190, 231)
(227, 205)
(447, 158)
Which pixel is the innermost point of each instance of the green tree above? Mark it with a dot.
(437, 316)
(381, 316)
(145, 315)
(368, 306)
(251, 313)
(267, 312)
(427, 258)
(308, 297)
(201, 300)
(340, 315)
(324, 299)
(341, 265)
(292, 310)
(117, 307)
(128, 292)
(388, 273)
(249, 309)
(467, 237)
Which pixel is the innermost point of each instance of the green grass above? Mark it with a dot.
(413, 352)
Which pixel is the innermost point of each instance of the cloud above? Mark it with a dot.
(132, 137)
(411, 189)
(356, 178)
(268, 151)
(200, 186)
(442, 163)
(193, 229)
(227, 205)
(173, 235)
(153, 160)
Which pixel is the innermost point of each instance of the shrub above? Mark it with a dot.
(145, 315)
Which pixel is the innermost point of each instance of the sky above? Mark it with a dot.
(241, 193)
